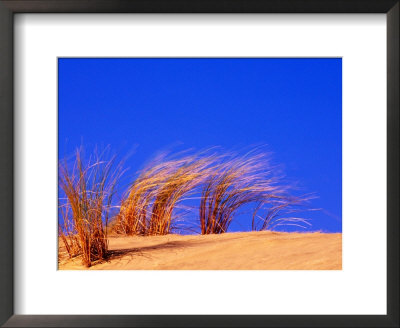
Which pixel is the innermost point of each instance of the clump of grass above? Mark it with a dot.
(136, 205)
(238, 181)
(88, 188)
(185, 176)
(148, 208)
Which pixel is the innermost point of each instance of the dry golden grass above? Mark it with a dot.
(241, 181)
(222, 183)
(150, 202)
(88, 188)
(227, 183)
(67, 233)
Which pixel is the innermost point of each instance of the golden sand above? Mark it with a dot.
(230, 251)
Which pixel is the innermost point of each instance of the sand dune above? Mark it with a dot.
(229, 251)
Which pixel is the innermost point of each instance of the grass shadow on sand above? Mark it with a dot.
(140, 251)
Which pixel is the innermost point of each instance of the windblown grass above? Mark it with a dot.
(223, 183)
(278, 211)
(152, 198)
(89, 189)
(238, 182)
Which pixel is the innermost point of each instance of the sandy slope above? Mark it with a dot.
(230, 251)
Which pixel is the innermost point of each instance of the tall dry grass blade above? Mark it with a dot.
(278, 212)
(67, 233)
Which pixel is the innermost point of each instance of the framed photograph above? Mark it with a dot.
(194, 163)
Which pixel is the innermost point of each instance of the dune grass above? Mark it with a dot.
(222, 183)
(240, 181)
(148, 208)
(88, 188)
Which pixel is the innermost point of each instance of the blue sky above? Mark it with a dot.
(147, 105)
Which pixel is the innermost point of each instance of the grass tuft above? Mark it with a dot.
(88, 189)
(239, 181)
(148, 208)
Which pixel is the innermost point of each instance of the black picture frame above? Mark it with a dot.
(10, 7)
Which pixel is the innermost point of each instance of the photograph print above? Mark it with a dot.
(199, 164)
